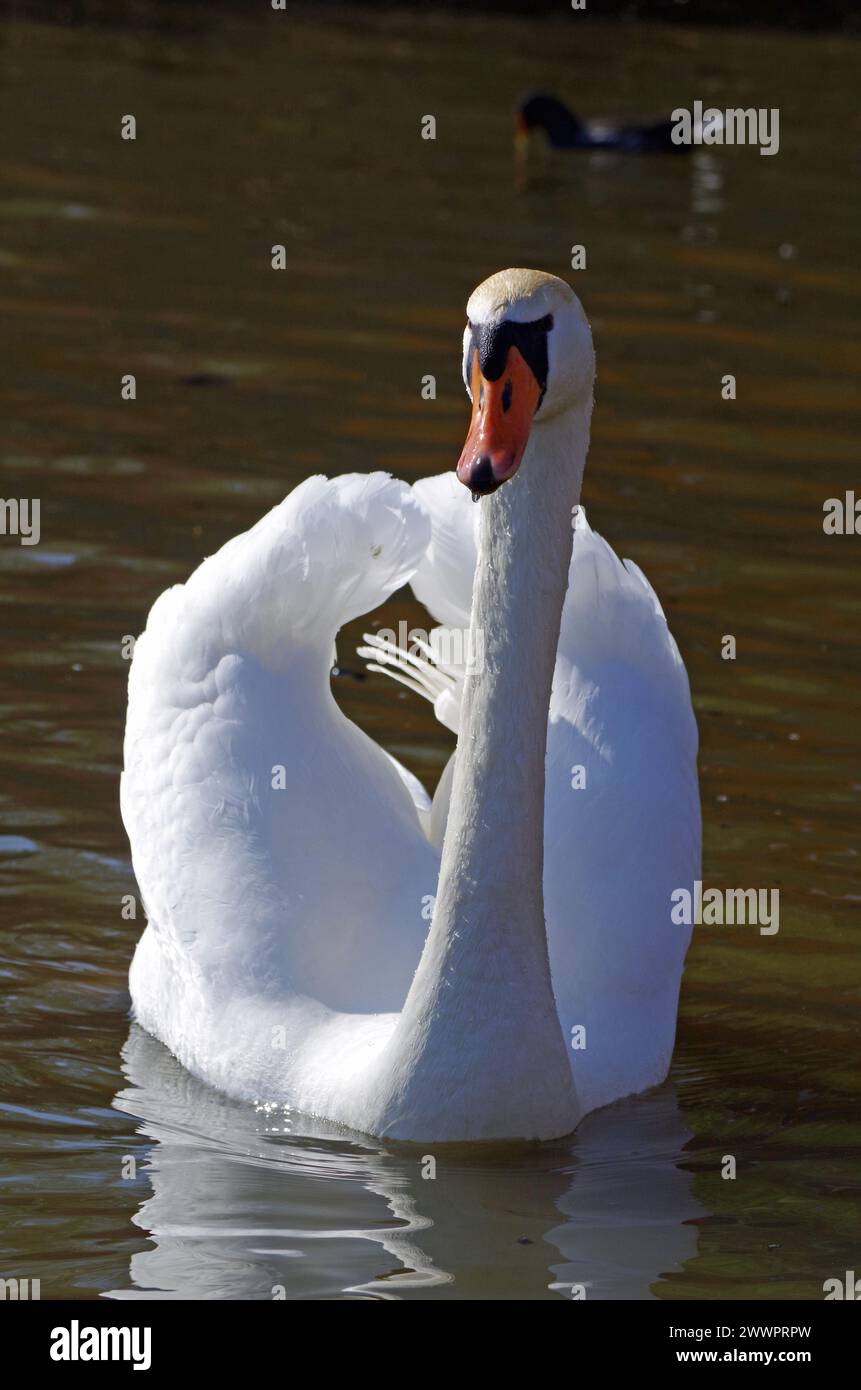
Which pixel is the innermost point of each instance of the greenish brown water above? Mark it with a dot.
(152, 257)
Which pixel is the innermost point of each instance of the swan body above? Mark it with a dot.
(285, 860)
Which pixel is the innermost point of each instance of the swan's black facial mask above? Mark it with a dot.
(506, 367)
(492, 342)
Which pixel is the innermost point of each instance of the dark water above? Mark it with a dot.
(152, 257)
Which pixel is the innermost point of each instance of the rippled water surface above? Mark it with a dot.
(153, 258)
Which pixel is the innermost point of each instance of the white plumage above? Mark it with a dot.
(620, 724)
(283, 860)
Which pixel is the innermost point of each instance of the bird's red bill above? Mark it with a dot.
(502, 412)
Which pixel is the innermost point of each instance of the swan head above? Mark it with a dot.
(527, 358)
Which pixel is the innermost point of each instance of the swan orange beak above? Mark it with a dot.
(502, 412)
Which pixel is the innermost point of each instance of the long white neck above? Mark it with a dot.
(479, 1045)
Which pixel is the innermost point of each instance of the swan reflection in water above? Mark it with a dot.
(250, 1203)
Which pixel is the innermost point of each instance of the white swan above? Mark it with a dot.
(281, 855)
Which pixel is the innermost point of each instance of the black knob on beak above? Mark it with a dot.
(481, 479)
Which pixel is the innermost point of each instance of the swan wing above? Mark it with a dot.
(276, 846)
(622, 813)
(443, 577)
(622, 823)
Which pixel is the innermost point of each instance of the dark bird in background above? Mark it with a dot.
(565, 131)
